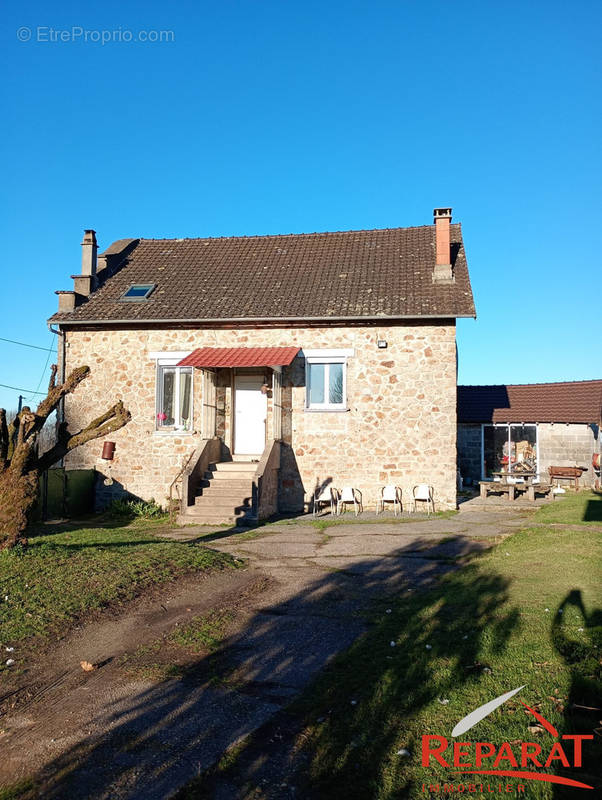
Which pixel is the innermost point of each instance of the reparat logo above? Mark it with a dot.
(508, 760)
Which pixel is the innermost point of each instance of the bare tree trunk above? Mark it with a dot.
(20, 463)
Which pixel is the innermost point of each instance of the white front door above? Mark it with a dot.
(251, 409)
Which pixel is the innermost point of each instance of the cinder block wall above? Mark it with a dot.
(564, 445)
(469, 451)
(400, 426)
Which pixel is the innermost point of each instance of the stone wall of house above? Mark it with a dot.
(469, 451)
(564, 445)
(400, 426)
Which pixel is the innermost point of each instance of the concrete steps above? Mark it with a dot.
(225, 489)
(230, 502)
(234, 466)
(211, 518)
(224, 495)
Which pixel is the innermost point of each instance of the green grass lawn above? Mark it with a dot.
(580, 508)
(527, 612)
(67, 570)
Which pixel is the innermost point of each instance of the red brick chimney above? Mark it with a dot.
(443, 269)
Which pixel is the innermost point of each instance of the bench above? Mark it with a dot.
(538, 488)
(497, 487)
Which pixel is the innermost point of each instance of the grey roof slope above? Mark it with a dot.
(349, 274)
(569, 401)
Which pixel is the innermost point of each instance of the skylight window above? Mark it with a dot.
(138, 291)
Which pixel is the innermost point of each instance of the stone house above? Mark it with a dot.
(260, 368)
(546, 424)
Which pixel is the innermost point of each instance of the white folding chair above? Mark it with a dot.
(350, 495)
(327, 496)
(425, 493)
(389, 494)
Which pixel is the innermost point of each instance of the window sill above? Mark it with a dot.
(326, 410)
(173, 432)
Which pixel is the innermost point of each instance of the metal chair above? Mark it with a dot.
(326, 496)
(389, 494)
(350, 495)
(425, 493)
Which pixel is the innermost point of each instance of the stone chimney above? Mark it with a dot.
(66, 300)
(443, 269)
(84, 284)
(89, 251)
(95, 269)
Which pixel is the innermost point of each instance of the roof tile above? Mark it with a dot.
(574, 401)
(371, 273)
(240, 357)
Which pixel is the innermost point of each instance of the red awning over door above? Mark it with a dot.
(216, 357)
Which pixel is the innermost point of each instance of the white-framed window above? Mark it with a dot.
(174, 396)
(509, 447)
(326, 379)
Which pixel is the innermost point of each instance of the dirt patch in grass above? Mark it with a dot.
(178, 649)
(171, 655)
(72, 578)
(159, 635)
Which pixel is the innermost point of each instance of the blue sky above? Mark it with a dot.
(277, 117)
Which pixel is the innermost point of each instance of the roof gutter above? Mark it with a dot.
(254, 320)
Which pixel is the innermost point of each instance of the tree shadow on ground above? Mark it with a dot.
(66, 526)
(583, 708)
(106, 545)
(114, 528)
(593, 511)
(168, 733)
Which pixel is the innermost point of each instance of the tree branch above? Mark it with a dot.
(3, 440)
(25, 418)
(116, 409)
(20, 462)
(54, 397)
(112, 420)
(13, 430)
(52, 381)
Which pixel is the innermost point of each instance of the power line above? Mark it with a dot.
(30, 394)
(50, 351)
(24, 344)
(17, 389)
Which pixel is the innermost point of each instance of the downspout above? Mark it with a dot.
(61, 359)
